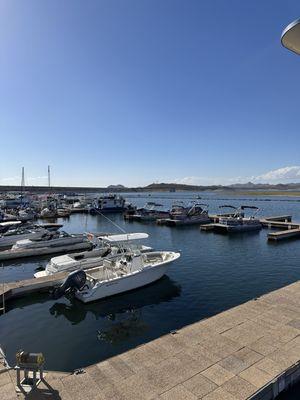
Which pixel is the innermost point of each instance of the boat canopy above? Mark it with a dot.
(124, 237)
(8, 223)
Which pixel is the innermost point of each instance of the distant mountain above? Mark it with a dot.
(180, 187)
(115, 187)
(163, 187)
(266, 186)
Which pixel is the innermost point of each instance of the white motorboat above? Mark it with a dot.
(51, 243)
(48, 213)
(110, 246)
(128, 272)
(26, 215)
(237, 222)
(10, 237)
(5, 226)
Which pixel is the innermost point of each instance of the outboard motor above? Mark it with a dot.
(74, 281)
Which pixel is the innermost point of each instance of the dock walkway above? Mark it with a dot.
(251, 351)
(24, 287)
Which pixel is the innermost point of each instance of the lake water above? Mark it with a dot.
(215, 272)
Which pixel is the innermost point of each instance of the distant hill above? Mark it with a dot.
(163, 187)
(266, 186)
(115, 187)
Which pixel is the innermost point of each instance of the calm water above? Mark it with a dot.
(215, 272)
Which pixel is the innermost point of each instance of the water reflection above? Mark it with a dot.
(127, 303)
(124, 326)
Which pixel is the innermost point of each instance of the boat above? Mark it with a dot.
(150, 212)
(50, 226)
(14, 202)
(50, 243)
(196, 213)
(10, 237)
(26, 215)
(48, 212)
(237, 222)
(5, 226)
(109, 246)
(127, 272)
(63, 212)
(108, 204)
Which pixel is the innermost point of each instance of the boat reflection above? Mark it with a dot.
(128, 303)
(123, 326)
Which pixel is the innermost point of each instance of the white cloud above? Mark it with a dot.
(34, 178)
(280, 175)
(195, 180)
(200, 180)
(11, 179)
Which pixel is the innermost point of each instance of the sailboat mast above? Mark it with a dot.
(49, 176)
(22, 181)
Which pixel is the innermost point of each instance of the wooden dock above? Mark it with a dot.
(79, 210)
(279, 224)
(286, 234)
(288, 228)
(251, 351)
(207, 227)
(21, 288)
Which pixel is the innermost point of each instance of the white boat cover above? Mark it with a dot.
(126, 237)
(62, 260)
(22, 243)
(7, 223)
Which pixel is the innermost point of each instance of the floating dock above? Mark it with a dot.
(251, 351)
(15, 289)
(80, 210)
(286, 234)
(288, 228)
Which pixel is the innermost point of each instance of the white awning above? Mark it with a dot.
(124, 237)
(7, 223)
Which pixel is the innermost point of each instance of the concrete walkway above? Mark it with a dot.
(250, 351)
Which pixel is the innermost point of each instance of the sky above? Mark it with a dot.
(139, 91)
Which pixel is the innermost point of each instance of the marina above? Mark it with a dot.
(144, 316)
(160, 261)
(251, 351)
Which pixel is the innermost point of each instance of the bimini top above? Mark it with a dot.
(290, 37)
(124, 237)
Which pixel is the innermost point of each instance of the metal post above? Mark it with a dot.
(3, 295)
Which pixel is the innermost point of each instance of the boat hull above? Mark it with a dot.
(236, 228)
(105, 210)
(124, 284)
(8, 241)
(12, 255)
(186, 221)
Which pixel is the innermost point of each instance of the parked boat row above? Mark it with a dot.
(30, 207)
(180, 214)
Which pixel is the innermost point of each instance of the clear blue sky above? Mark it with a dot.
(136, 91)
